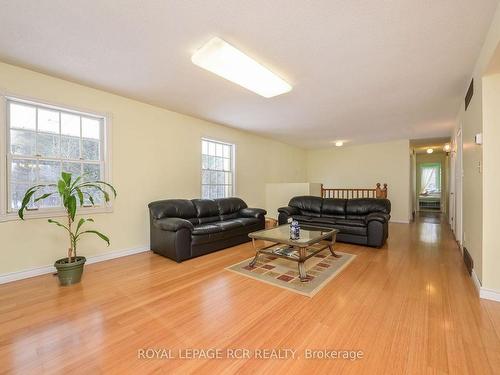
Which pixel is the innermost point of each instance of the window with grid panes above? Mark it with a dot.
(44, 140)
(217, 169)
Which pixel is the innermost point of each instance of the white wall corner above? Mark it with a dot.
(37, 271)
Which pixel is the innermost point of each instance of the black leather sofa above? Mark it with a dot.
(362, 221)
(182, 229)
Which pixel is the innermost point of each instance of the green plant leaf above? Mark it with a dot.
(59, 224)
(66, 177)
(44, 196)
(81, 222)
(102, 236)
(80, 195)
(71, 205)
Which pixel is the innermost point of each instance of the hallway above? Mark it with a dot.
(410, 307)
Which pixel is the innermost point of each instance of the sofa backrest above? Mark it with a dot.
(308, 205)
(339, 208)
(207, 210)
(334, 207)
(229, 207)
(182, 208)
(360, 207)
(198, 211)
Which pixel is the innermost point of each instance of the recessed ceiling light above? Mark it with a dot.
(221, 58)
(430, 150)
(339, 143)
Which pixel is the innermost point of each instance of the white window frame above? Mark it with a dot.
(5, 214)
(233, 163)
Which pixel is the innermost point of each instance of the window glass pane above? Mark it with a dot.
(220, 178)
(90, 149)
(227, 151)
(47, 145)
(91, 172)
(70, 124)
(218, 149)
(205, 177)
(74, 168)
(213, 177)
(48, 120)
(205, 192)
(22, 142)
(219, 165)
(91, 128)
(17, 192)
(52, 201)
(23, 171)
(216, 177)
(70, 148)
(49, 171)
(22, 116)
(211, 149)
(96, 194)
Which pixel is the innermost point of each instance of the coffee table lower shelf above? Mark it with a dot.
(304, 253)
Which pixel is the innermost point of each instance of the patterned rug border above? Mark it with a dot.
(306, 294)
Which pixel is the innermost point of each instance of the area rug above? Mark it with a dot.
(283, 273)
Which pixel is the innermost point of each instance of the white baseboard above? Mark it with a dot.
(37, 271)
(476, 281)
(485, 293)
(490, 294)
(399, 221)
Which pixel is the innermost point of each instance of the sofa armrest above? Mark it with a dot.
(252, 212)
(377, 216)
(289, 210)
(173, 224)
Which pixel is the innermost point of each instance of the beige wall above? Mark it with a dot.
(442, 159)
(491, 181)
(364, 166)
(155, 155)
(279, 194)
(476, 183)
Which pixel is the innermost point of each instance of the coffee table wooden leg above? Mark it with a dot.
(330, 246)
(257, 253)
(302, 267)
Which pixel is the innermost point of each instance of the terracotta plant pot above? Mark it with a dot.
(70, 273)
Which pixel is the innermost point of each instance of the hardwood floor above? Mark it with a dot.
(409, 307)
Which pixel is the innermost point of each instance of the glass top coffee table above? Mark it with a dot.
(311, 242)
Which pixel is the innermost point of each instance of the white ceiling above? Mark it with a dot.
(362, 71)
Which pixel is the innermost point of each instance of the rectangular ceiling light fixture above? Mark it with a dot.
(221, 58)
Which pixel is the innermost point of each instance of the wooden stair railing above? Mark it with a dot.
(348, 193)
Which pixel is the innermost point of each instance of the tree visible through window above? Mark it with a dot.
(217, 171)
(42, 141)
(430, 178)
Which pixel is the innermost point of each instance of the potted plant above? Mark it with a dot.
(72, 194)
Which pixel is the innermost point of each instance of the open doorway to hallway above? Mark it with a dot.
(430, 175)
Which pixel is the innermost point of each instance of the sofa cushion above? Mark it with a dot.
(360, 208)
(324, 220)
(207, 210)
(229, 206)
(350, 229)
(246, 221)
(308, 205)
(206, 228)
(351, 222)
(333, 207)
(228, 224)
(181, 208)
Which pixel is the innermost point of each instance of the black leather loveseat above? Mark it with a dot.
(361, 221)
(182, 229)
